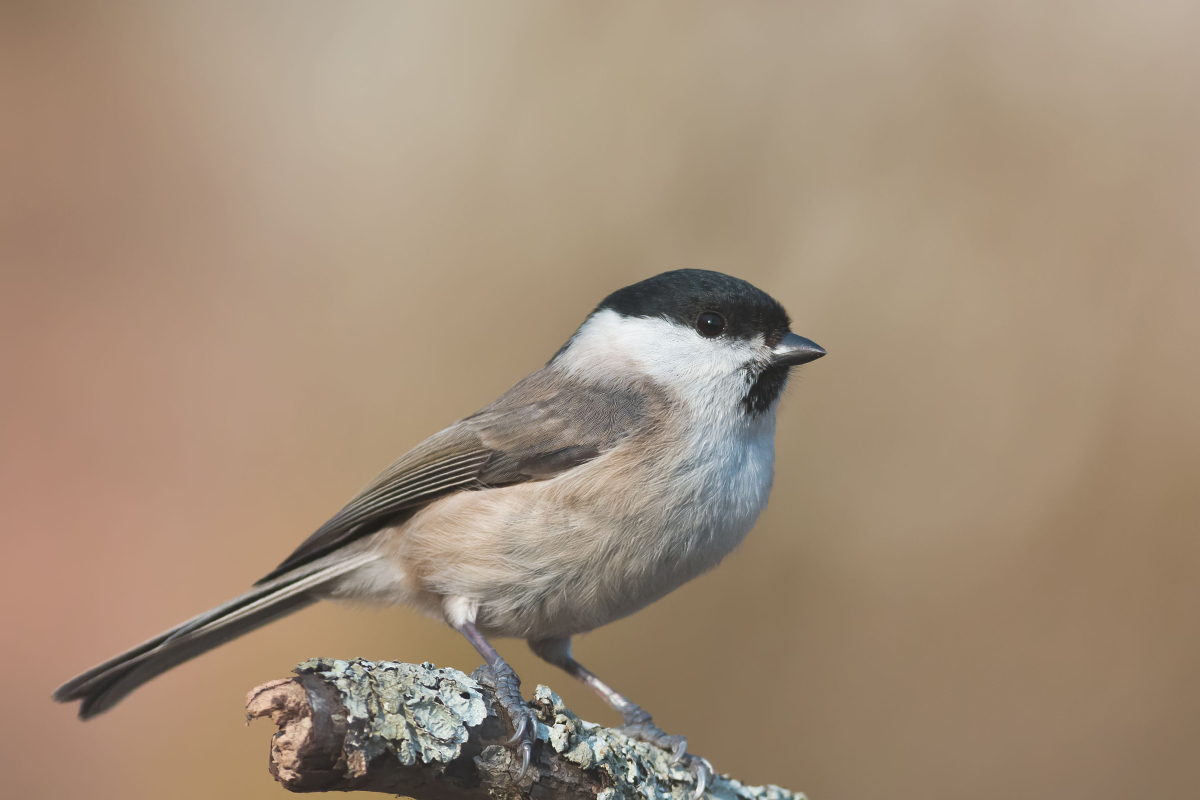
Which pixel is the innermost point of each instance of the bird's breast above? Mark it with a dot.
(600, 541)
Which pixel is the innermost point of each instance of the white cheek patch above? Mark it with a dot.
(703, 372)
(609, 347)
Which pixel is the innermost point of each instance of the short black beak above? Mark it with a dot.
(795, 350)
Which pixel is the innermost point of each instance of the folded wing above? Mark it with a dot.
(545, 425)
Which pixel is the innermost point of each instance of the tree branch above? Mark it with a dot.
(437, 734)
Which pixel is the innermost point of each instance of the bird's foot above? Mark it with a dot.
(520, 716)
(639, 725)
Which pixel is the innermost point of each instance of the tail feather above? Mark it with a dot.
(103, 686)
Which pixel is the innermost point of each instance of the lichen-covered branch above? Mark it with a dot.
(437, 734)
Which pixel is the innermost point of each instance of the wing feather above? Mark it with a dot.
(545, 425)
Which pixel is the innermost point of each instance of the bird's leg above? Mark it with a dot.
(508, 694)
(638, 723)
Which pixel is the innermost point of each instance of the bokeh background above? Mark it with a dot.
(251, 252)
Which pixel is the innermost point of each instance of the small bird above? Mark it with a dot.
(635, 460)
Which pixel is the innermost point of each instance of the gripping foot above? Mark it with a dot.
(639, 725)
(520, 716)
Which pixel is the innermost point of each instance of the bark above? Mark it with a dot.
(438, 734)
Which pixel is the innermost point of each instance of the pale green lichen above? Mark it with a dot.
(638, 771)
(416, 711)
(421, 714)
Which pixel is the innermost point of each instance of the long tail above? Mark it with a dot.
(105, 685)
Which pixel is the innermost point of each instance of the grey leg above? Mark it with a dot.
(638, 723)
(508, 693)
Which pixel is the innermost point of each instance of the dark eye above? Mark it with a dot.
(710, 324)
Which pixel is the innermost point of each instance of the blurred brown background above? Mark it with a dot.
(251, 252)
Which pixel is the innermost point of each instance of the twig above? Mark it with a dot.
(436, 734)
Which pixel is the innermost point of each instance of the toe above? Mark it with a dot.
(526, 756)
(521, 724)
(524, 733)
(702, 770)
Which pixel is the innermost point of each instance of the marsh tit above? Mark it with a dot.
(632, 462)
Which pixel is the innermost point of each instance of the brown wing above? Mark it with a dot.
(543, 426)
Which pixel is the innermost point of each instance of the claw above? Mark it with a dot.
(526, 756)
(679, 751)
(704, 773)
(522, 723)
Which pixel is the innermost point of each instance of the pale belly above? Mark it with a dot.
(564, 556)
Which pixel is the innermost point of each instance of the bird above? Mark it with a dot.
(634, 460)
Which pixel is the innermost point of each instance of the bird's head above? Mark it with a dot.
(703, 336)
